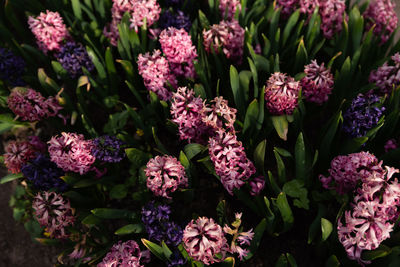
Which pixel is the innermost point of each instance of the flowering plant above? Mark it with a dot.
(193, 133)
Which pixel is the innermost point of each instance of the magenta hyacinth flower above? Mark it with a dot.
(125, 254)
(71, 152)
(391, 144)
(179, 50)
(317, 85)
(281, 94)
(240, 239)
(332, 15)
(204, 241)
(387, 77)
(165, 175)
(49, 30)
(156, 73)
(187, 112)
(287, 7)
(382, 14)
(230, 160)
(53, 212)
(227, 36)
(257, 185)
(138, 9)
(30, 105)
(219, 115)
(17, 154)
(347, 171)
(228, 8)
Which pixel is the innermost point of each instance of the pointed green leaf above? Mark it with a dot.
(326, 228)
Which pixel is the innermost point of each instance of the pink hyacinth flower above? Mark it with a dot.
(281, 94)
(257, 185)
(387, 77)
(179, 50)
(219, 115)
(317, 85)
(53, 212)
(156, 73)
(49, 30)
(71, 152)
(165, 175)
(17, 154)
(230, 160)
(124, 254)
(332, 16)
(204, 241)
(228, 8)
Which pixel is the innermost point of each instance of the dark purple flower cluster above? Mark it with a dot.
(176, 259)
(108, 148)
(44, 174)
(11, 67)
(158, 226)
(363, 114)
(178, 20)
(73, 57)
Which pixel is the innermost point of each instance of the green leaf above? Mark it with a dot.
(286, 211)
(282, 261)
(137, 157)
(91, 220)
(227, 262)
(193, 149)
(295, 189)
(300, 156)
(281, 126)
(281, 167)
(118, 191)
(332, 262)
(326, 142)
(203, 20)
(237, 93)
(221, 211)
(11, 177)
(301, 57)
(250, 119)
(155, 249)
(380, 252)
(76, 8)
(326, 228)
(130, 229)
(258, 234)
(106, 213)
(86, 183)
(291, 260)
(290, 25)
(259, 155)
(167, 252)
(184, 160)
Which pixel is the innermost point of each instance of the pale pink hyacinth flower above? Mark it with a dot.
(239, 237)
(30, 105)
(204, 241)
(53, 212)
(219, 115)
(187, 112)
(228, 8)
(347, 171)
(317, 85)
(17, 154)
(391, 144)
(387, 77)
(165, 175)
(156, 74)
(257, 185)
(281, 94)
(179, 50)
(382, 14)
(125, 254)
(227, 36)
(230, 160)
(139, 10)
(374, 213)
(332, 16)
(71, 152)
(49, 30)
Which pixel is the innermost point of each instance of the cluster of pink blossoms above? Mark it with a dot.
(138, 9)
(391, 144)
(219, 115)
(179, 50)
(53, 212)
(19, 153)
(30, 105)
(373, 215)
(387, 77)
(347, 171)
(156, 74)
(165, 175)
(230, 160)
(49, 30)
(227, 36)
(228, 8)
(125, 254)
(281, 94)
(289, 6)
(205, 240)
(382, 14)
(317, 85)
(71, 152)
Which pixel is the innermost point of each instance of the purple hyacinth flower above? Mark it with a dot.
(11, 67)
(108, 149)
(174, 234)
(178, 20)
(73, 57)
